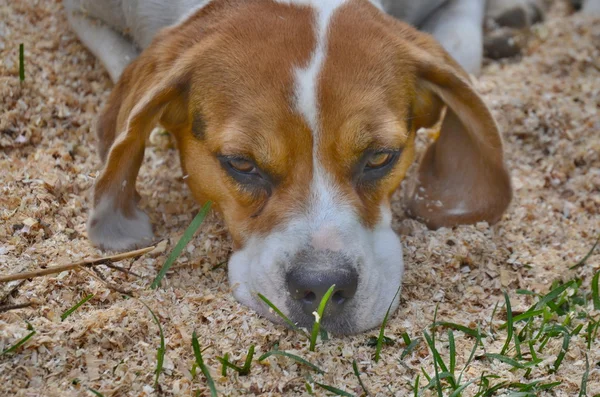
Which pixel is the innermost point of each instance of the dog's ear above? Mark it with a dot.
(148, 92)
(462, 178)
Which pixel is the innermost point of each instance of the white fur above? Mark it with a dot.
(114, 231)
(261, 266)
(329, 222)
(115, 30)
(307, 77)
(458, 26)
(591, 7)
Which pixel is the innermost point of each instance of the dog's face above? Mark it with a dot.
(299, 124)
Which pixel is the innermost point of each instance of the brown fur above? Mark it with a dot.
(232, 66)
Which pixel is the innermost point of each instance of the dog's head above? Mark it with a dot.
(299, 123)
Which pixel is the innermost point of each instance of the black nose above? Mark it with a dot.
(308, 288)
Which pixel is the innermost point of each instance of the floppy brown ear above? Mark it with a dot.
(462, 178)
(142, 97)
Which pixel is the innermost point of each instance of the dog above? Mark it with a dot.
(297, 119)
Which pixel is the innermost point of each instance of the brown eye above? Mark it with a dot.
(243, 166)
(378, 160)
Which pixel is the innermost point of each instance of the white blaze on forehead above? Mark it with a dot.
(325, 204)
(307, 77)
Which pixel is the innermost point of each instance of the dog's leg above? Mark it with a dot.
(515, 13)
(591, 7)
(111, 48)
(458, 26)
(410, 11)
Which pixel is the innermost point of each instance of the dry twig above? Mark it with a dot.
(75, 265)
(6, 308)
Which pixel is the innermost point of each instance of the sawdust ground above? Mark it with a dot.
(547, 104)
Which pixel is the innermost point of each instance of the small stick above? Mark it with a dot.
(121, 269)
(6, 308)
(75, 265)
(97, 274)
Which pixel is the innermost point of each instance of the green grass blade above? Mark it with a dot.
(524, 316)
(77, 306)
(202, 366)
(334, 390)
(587, 256)
(505, 359)
(416, 386)
(318, 317)
(595, 293)
(357, 374)
(95, 392)
(21, 62)
(225, 363)
(20, 343)
(283, 316)
(248, 362)
(183, 241)
(471, 356)
(564, 348)
(457, 392)
(550, 296)
(457, 327)
(382, 328)
(228, 364)
(437, 380)
(160, 353)
(294, 357)
(409, 349)
(451, 351)
(509, 323)
(437, 358)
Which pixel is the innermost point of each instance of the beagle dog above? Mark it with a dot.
(297, 119)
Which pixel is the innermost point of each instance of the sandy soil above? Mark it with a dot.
(547, 104)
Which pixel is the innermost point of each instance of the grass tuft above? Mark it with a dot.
(21, 341)
(160, 352)
(183, 241)
(243, 371)
(382, 328)
(202, 366)
(318, 317)
(75, 307)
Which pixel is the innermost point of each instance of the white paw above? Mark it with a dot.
(109, 229)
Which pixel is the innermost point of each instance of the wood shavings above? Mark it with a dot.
(546, 102)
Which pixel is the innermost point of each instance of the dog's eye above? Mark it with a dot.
(378, 160)
(242, 166)
(246, 172)
(376, 165)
